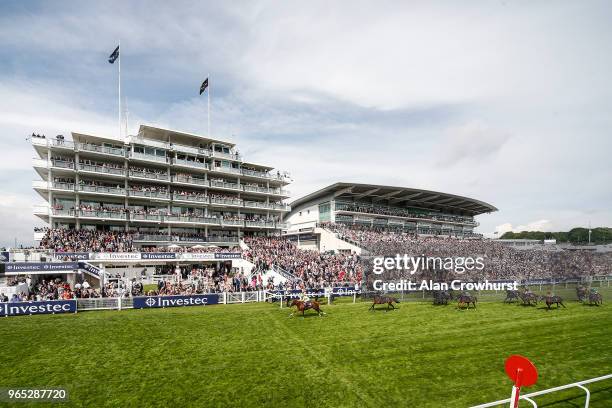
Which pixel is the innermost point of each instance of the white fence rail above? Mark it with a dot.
(529, 397)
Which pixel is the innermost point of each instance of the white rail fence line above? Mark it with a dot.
(528, 397)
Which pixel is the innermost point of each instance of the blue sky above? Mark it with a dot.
(508, 102)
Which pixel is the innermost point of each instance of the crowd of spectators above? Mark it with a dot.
(86, 240)
(312, 269)
(400, 212)
(500, 261)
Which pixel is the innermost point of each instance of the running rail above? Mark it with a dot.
(527, 397)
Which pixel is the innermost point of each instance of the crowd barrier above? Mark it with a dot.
(148, 302)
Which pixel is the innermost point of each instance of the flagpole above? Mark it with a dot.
(208, 94)
(120, 51)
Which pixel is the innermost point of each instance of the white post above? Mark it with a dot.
(513, 397)
(120, 52)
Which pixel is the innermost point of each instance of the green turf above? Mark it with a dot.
(255, 355)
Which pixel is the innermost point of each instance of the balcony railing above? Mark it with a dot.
(229, 156)
(229, 170)
(63, 164)
(146, 217)
(148, 157)
(115, 151)
(102, 169)
(233, 223)
(221, 184)
(191, 163)
(190, 180)
(149, 175)
(159, 195)
(200, 198)
(260, 224)
(63, 213)
(223, 239)
(62, 144)
(194, 219)
(101, 189)
(115, 215)
(63, 186)
(226, 201)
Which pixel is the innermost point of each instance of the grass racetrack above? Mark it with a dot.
(254, 355)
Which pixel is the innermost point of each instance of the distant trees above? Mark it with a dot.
(600, 235)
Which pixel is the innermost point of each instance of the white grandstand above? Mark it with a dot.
(162, 185)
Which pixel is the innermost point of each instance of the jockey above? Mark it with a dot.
(304, 297)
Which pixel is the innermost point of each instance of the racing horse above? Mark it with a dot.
(550, 299)
(511, 296)
(303, 306)
(465, 299)
(441, 297)
(527, 296)
(381, 300)
(581, 293)
(595, 298)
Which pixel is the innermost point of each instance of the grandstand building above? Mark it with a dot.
(411, 210)
(164, 186)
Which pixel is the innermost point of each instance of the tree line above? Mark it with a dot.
(600, 235)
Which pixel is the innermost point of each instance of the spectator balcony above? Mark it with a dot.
(151, 195)
(189, 180)
(191, 219)
(63, 213)
(106, 170)
(99, 149)
(226, 170)
(227, 156)
(151, 158)
(191, 164)
(225, 185)
(148, 175)
(103, 190)
(55, 144)
(267, 206)
(232, 223)
(101, 214)
(226, 202)
(265, 190)
(189, 198)
(51, 185)
(146, 217)
(260, 224)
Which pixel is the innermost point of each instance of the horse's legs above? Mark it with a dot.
(392, 305)
(372, 307)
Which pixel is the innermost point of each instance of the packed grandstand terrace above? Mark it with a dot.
(308, 269)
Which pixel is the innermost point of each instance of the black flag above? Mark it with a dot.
(114, 55)
(203, 86)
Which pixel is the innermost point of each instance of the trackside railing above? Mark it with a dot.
(529, 397)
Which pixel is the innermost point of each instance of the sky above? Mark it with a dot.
(508, 102)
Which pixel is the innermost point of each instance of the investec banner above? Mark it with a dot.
(118, 256)
(90, 268)
(210, 256)
(79, 256)
(158, 255)
(175, 301)
(31, 308)
(344, 291)
(17, 267)
(228, 255)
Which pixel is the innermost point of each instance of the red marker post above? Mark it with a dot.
(523, 373)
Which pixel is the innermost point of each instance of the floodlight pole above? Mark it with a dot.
(208, 107)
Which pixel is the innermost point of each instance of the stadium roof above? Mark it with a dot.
(400, 197)
(177, 136)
